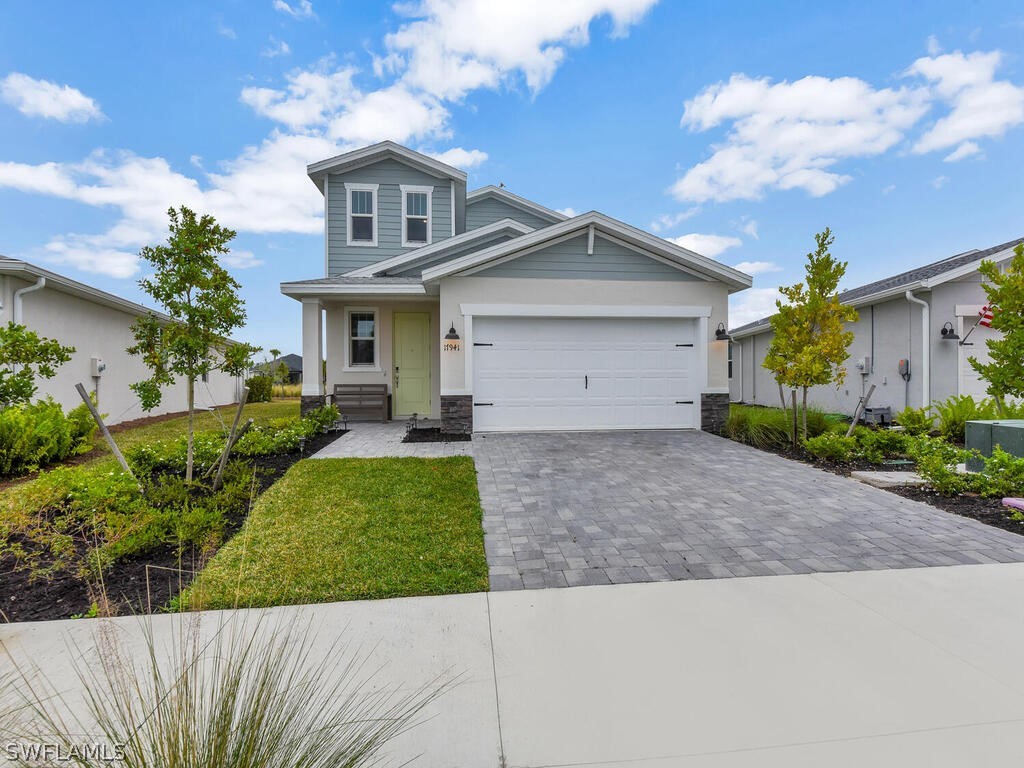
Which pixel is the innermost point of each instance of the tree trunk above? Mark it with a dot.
(191, 417)
(805, 413)
(794, 419)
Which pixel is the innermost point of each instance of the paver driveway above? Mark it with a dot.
(564, 509)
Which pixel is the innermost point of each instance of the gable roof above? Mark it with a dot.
(437, 250)
(926, 277)
(293, 361)
(611, 229)
(384, 150)
(502, 194)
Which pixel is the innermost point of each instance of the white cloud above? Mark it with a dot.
(669, 221)
(981, 106)
(450, 47)
(794, 135)
(276, 48)
(749, 228)
(301, 9)
(310, 98)
(940, 181)
(41, 98)
(933, 46)
(241, 260)
(888, 188)
(752, 304)
(757, 267)
(464, 159)
(967, 149)
(791, 135)
(393, 113)
(569, 211)
(706, 245)
(225, 31)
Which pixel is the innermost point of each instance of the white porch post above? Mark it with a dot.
(312, 354)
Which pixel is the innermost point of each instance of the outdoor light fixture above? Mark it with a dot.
(948, 334)
(452, 341)
(721, 334)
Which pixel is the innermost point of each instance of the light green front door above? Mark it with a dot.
(412, 364)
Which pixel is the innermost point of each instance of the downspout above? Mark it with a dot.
(926, 391)
(39, 284)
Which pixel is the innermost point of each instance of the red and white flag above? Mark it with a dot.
(986, 314)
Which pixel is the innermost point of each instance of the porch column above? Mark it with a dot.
(312, 355)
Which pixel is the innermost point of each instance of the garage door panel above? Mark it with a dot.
(584, 373)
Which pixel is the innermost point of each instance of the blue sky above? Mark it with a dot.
(740, 131)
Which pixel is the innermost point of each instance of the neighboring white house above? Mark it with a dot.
(98, 325)
(896, 314)
(492, 312)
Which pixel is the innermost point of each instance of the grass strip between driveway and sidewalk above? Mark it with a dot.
(350, 529)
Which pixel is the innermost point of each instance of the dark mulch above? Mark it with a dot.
(988, 511)
(433, 435)
(141, 584)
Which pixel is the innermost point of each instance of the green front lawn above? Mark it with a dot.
(349, 529)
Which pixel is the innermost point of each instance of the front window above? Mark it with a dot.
(362, 214)
(415, 215)
(362, 328)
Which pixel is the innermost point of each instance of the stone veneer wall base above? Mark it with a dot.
(457, 414)
(714, 410)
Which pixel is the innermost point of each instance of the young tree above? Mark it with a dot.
(1005, 292)
(810, 342)
(24, 357)
(202, 301)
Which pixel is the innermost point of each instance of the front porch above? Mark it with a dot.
(383, 331)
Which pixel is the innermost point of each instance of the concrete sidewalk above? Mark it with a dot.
(913, 667)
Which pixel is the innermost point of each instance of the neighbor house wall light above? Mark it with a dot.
(721, 334)
(948, 333)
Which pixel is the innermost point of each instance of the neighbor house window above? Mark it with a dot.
(416, 218)
(362, 214)
(362, 338)
(730, 359)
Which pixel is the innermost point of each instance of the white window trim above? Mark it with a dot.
(348, 366)
(351, 187)
(429, 192)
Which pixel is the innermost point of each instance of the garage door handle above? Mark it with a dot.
(586, 382)
(684, 345)
(482, 404)
(684, 402)
(482, 344)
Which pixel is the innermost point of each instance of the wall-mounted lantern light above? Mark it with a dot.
(948, 333)
(721, 334)
(452, 341)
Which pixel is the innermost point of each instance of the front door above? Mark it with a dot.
(412, 364)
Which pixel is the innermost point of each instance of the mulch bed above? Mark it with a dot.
(433, 435)
(141, 584)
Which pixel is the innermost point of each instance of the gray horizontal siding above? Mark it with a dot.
(417, 270)
(569, 260)
(487, 210)
(389, 174)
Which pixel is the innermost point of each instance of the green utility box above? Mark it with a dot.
(1008, 434)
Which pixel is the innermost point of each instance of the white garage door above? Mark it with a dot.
(970, 382)
(534, 373)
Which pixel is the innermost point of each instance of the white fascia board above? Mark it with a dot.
(300, 290)
(582, 310)
(382, 150)
(966, 269)
(434, 249)
(515, 201)
(608, 227)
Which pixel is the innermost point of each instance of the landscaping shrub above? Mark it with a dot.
(937, 462)
(954, 413)
(916, 421)
(830, 446)
(876, 445)
(1002, 476)
(33, 436)
(769, 428)
(261, 389)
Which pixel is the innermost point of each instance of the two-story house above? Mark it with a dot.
(491, 312)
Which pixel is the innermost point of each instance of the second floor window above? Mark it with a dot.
(362, 214)
(416, 215)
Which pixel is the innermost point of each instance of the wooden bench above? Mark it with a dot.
(361, 400)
